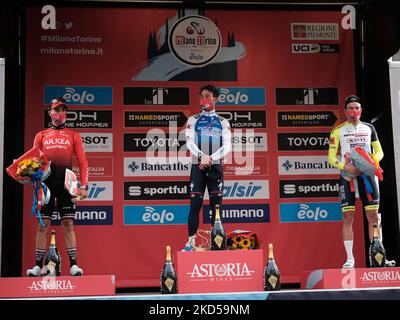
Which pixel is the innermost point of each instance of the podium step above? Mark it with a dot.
(34, 287)
(350, 278)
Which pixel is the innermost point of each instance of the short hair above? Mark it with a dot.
(350, 99)
(57, 102)
(211, 88)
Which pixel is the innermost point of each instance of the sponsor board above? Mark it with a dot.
(303, 141)
(97, 166)
(84, 119)
(307, 96)
(156, 214)
(156, 167)
(239, 213)
(138, 119)
(156, 190)
(245, 118)
(241, 96)
(160, 141)
(298, 165)
(257, 166)
(321, 188)
(249, 141)
(315, 48)
(315, 31)
(80, 95)
(301, 119)
(89, 215)
(167, 96)
(310, 212)
(244, 189)
(97, 142)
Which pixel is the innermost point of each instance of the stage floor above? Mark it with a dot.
(387, 293)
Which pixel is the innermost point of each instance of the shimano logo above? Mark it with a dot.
(241, 213)
(74, 97)
(306, 212)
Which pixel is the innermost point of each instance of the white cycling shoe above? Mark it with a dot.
(76, 271)
(36, 271)
(349, 264)
(390, 263)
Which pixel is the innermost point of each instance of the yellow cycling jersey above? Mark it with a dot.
(347, 136)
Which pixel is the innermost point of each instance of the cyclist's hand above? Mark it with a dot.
(349, 168)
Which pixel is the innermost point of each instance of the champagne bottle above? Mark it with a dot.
(271, 273)
(168, 275)
(377, 254)
(53, 258)
(218, 235)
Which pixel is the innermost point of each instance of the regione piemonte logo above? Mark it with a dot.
(315, 31)
(195, 40)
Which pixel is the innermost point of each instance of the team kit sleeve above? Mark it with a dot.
(81, 156)
(226, 141)
(334, 141)
(190, 137)
(37, 142)
(377, 153)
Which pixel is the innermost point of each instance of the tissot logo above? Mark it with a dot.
(309, 188)
(160, 190)
(85, 119)
(236, 270)
(307, 96)
(249, 142)
(303, 141)
(139, 142)
(97, 142)
(245, 118)
(156, 96)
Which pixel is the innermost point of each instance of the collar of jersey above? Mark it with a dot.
(208, 113)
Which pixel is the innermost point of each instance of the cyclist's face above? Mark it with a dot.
(354, 106)
(207, 95)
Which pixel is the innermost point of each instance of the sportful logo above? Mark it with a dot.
(241, 97)
(79, 95)
(308, 188)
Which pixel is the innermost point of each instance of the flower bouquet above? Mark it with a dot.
(33, 167)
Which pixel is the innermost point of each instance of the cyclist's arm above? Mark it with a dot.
(37, 142)
(376, 145)
(190, 138)
(334, 141)
(226, 141)
(81, 156)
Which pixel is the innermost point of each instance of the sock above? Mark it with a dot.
(192, 240)
(40, 253)
(348, 244)
(72, 256)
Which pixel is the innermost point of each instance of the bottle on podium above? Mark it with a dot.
(377, 254)
(218, 234)
(53, 258)
(271, 273)
(168, 275)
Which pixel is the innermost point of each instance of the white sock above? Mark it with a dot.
(192, 240)
(348, 245)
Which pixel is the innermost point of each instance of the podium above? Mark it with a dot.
(40, 287)
(220, 271)
(350, 278)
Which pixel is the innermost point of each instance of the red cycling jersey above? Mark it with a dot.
(59, 145)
